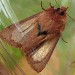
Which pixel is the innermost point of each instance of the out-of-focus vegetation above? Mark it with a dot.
(64, 54)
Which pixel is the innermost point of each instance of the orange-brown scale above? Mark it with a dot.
(51, 21)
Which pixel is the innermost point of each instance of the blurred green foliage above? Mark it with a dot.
(26, 8)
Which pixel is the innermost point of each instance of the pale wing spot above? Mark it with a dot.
(27, 24)
(25, 28)
(43, 51)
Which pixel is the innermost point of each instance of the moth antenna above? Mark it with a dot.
(57, 3)
(70, 17)
(42, 6)
(63, 39)
(50, 5)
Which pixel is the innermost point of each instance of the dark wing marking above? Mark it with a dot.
(13, 36)
(40, 32)
(40, 57)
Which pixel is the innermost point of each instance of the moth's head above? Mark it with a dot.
(60, 11)
(57, 13)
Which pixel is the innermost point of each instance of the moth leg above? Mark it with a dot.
(62, 37)
(40, 32)
(60, 32)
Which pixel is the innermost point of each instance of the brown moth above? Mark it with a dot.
(39, 35)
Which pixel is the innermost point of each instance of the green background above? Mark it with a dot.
(26, 8)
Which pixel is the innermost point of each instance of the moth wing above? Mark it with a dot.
(13, 35)
(40, 57)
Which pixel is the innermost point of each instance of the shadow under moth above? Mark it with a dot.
(38, 35)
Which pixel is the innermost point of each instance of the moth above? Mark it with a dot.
(38, 35)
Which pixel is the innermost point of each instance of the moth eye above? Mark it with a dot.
(62, 13)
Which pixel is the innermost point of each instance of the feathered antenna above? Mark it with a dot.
(50, 5)
(42, 6)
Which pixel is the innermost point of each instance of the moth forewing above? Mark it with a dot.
(13, 36)
(25, 28)
(39, 58)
